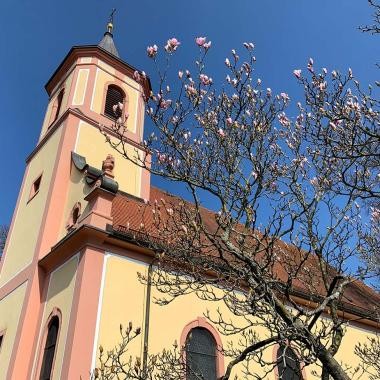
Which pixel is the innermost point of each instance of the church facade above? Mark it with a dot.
(68, 278)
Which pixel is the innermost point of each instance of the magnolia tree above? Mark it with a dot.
(371, 251)
(288, 183)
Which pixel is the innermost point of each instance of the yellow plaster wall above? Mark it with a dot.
(29, 216)
(105, 75)
(124, 301)
(77, 191)
(85, 60)
(354, 334)
(60, 295)
(10, 310)
(45, 123)
(80, 87)
(167, 323)
(92, 145)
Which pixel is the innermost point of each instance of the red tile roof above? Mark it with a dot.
(129, 213)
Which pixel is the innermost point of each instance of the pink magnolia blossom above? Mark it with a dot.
(152, 51)
(227, 62)
(136, 76)
(161, 157)
(332, 125)
(172, 45)
(229, 121)
(323, 86)
(200, 41)
(375, 214)
(285, 97)
(283, 119)
(249, 45)
(310, 65)
(180, 74)
(191, 90)
(297, 73)
(314, 181)
(165, 104)
(207, 45)
(205, 80)
(221, 132)
(120, 105)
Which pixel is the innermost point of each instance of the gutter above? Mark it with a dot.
(147, 319)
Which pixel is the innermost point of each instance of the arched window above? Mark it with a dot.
(56, 107)
(49, 351)
(200, 355)
(74, 216)
(114, 96)
(288, 364)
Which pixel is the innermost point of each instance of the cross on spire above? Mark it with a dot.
(110, 21)
(111, 15)
(107, 41)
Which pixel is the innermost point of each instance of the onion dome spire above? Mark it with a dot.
(107, 41)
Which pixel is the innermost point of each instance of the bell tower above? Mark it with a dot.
(47, 272)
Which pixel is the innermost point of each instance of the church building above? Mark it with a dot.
(69, 272)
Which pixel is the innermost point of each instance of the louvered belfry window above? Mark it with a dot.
(49, 351)
(200, 355)
(114, 96)
(59, 104)
(288, 364)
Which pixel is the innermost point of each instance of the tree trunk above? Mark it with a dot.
(330, 365)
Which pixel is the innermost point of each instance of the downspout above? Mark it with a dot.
(146, 324)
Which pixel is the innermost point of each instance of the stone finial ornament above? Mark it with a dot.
(108, 165)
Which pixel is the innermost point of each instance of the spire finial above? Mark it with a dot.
(110, 21)
(107, 41)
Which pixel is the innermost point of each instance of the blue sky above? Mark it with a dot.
(36, 35)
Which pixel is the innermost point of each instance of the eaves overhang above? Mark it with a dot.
(125, 243)
(90, 236)
(100, 53)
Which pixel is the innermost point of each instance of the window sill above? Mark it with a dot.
(32, 196)
(109, 117)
